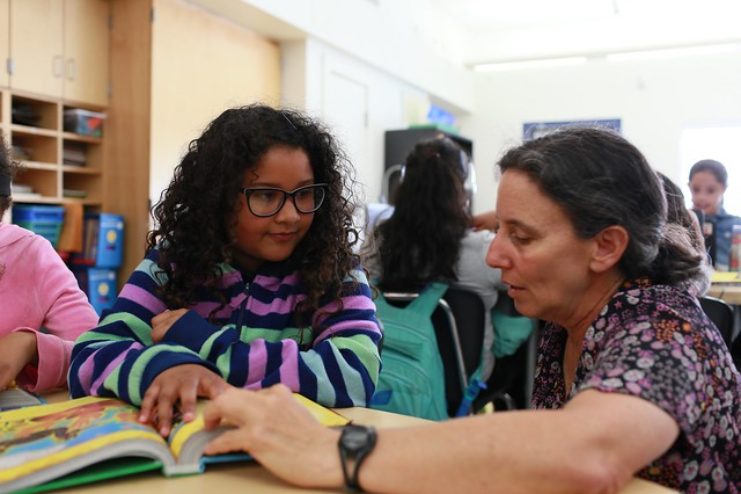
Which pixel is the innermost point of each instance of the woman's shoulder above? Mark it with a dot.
(642, 292)
(661, 307)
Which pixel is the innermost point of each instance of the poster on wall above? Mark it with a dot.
(533, 130)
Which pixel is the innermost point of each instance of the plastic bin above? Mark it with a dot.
(99, 284)
(102, 243)
(42, 220)
(84, 122)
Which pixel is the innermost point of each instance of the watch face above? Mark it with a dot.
(354, 438)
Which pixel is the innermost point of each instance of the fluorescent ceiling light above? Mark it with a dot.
(683, 51)
(530, 64)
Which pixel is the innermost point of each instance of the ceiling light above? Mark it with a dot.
(682, 51)
(529, 64)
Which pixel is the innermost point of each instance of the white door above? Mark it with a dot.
(345, 110)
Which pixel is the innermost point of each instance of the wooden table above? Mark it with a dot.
(729, 292)
(251, 478)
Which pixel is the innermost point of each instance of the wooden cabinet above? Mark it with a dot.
(4, 40)
(37, 60)
(59, 48)
(86, 32)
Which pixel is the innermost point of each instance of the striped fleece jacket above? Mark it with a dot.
(252, 342)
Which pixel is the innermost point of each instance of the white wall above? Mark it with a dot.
(319, 79)
(411, 39)
(201, 65)
(654, 99)
(562, 33)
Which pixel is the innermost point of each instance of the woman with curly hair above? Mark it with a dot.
(428, 237)
(250, 278)
(43, 308)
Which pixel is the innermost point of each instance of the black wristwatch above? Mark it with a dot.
(355, 444)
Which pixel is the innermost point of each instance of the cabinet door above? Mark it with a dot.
(4, 42)
(36, 46)
(86, 51)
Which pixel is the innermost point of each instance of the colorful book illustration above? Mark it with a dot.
(725, 277)
(90, 439)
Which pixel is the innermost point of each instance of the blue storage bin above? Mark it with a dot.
(102, 241)
(42, 220)
(99, 284)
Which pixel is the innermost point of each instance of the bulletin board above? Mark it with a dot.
(532, 130)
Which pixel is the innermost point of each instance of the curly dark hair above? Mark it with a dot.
(421, 241)
(8, 169)
(195, 220)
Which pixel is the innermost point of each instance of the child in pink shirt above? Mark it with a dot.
(42, 309)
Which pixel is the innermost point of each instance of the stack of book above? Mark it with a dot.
(74, 154)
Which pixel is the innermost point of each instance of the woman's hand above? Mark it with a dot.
(183, 384)
(18, 350)
(162, 322)
(279, 433)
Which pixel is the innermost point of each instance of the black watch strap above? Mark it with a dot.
(355, 444)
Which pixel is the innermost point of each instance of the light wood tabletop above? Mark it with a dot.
(253, 479)
(730, 293)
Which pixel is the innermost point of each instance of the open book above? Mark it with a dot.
(89, 439)
(12, 398)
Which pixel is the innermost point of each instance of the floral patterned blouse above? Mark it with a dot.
(655, 342)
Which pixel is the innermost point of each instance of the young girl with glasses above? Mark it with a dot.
(250, 278)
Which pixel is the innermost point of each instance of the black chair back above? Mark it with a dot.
(736, 352)
(721, 314)
(510, 384)
(469, 314)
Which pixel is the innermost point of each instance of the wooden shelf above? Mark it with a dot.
(38, 165)
(82, 170)
(34, 131)
(42, 148)
(29, 199)
(84, 202)
(71, 136)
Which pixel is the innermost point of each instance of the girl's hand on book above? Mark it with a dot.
(278, 432)
(19, 349)
(162, 322)
(183, 384)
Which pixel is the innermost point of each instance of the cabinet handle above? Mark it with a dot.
(57, 66)
(71, 69)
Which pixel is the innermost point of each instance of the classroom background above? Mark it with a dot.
(154, 72)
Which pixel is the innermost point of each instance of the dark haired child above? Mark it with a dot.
(250, 279)
(708, 184)
(42, 309)
(410, 249)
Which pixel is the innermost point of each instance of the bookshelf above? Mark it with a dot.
(33, 128)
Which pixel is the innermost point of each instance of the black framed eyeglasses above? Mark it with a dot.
(267, 201)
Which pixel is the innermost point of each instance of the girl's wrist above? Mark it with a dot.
(29, 346)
